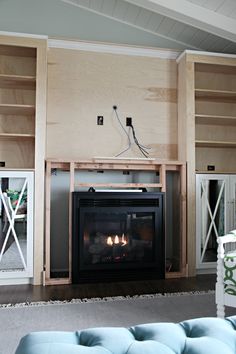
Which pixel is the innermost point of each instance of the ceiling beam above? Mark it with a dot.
(193, 15)
(85, 5)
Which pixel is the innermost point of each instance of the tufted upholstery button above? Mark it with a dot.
(197, 336)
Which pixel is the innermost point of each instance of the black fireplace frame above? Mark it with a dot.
(91, 201)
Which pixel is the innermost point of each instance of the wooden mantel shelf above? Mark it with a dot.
(118, 164)
(113, 164)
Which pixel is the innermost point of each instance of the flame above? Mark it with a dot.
(116, 241)
(109, 241)
(123, 238)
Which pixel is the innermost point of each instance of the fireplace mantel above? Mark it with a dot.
(114, 164)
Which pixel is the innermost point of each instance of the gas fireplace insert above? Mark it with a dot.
(117, 236)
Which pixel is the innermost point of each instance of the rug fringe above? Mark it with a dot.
(104, 299)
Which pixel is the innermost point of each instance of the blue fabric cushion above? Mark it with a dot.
(197, 336)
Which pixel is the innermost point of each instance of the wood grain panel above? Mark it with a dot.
(162, 94)
(186, 146)
(223, 159)
(83, 85)
(17, 152)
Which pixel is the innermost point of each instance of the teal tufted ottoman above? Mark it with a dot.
(197, 336)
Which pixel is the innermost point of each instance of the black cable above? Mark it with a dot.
(117, 116)
(141, 147)
(129, 141)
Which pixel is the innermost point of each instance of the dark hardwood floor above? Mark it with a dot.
(28, 293)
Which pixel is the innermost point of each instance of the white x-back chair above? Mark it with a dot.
(226, 273)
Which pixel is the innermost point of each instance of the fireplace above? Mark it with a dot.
(117, 236)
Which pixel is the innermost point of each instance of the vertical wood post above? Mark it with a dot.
(47, 219)
(72, 188)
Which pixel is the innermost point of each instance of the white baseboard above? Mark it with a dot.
(15, 281)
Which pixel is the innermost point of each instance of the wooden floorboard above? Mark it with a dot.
(28, 293)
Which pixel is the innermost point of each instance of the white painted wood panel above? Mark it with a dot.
(223, 7)
(166, 21)
(131, 13)
(165, 26)
(120, 9)
(96, 5)
(108, 7)
(83, 2)
(226, 7)
(143, 18)
(154, 22)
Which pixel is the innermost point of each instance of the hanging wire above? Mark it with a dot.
(141, 147)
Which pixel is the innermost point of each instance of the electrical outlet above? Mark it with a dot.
(210, 168)
(128, 121)
(99, 120)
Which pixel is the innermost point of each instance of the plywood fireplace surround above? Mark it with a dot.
(161, 169)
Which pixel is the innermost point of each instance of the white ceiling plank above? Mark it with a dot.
(143, 18)
(212, 4)
(132, 13)
(199, 37)
(108, 6)
(226, 7)
(83, 2)
(233, 14)
(206, 43)
(168, 29)
(177, 29)
(96, 5)
(230, 48)
(223, 7)
(166, 26)
(120, 9)
(193, 15)
(188, 33)
(217, 45)
(154, 21)
(197, 2)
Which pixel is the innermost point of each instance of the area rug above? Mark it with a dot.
(20, 319)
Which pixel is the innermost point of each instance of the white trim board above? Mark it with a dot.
(23, 35)
(113, 49)
(15, 281)
(211, 54)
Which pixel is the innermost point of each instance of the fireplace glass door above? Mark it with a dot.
(124, 235)
(111, 237)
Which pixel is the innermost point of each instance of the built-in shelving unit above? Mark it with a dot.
(17, 81)
(212, 95)
(215, 115)
(16, 136)
(207, 125)
(23, 83)
(215, 144)
(214, 119)
(17, 109)
(17, 105)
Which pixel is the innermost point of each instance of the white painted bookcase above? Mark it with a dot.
(215, 215)
(17, 226)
